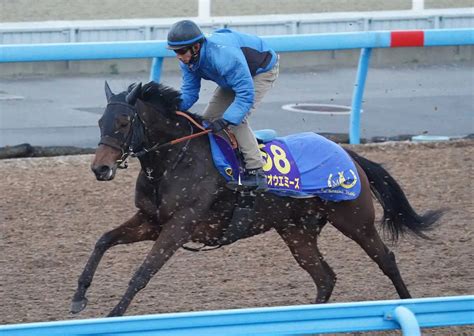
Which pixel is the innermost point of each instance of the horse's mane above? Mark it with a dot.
(165, 96)
(159, 94)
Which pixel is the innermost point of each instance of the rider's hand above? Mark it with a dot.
(217, 125)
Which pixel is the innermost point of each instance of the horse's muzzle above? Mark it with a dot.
(104, 172)
(104, 164)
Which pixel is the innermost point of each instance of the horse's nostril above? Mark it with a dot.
(100, 170)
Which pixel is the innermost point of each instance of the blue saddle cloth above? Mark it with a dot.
(298, 165)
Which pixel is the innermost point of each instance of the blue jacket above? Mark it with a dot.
(230, 59)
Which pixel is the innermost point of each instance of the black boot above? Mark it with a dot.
(255, 179)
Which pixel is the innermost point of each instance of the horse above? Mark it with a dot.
(180, 198)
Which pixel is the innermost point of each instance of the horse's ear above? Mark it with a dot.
(133, 95)
(108, 91)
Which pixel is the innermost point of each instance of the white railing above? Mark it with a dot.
(157, 29)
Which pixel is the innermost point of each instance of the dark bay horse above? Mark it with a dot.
(181, 197)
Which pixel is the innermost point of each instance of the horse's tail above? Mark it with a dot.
(398, 214)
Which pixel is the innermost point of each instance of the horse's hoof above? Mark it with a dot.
(78, 306)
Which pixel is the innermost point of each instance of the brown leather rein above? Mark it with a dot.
(175, 141)
(230, 135)
(191, 136)
(185, 138)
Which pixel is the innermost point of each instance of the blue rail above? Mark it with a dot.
(285, 43)
(408, 315)
(280, 43)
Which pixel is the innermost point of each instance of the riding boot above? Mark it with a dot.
(252, 180)
(255, 179)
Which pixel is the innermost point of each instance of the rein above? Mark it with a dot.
(122, 162)
(175, 141)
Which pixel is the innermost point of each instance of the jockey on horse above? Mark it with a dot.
(244, 68)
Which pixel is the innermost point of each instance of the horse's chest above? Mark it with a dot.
(150, 174)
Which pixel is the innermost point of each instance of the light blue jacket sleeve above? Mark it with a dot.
(191, 84)
(237, 76)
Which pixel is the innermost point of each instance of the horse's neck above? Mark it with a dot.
(190, 153)
(158, 128)
(165, 159)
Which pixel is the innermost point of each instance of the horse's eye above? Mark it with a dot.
(123, 121)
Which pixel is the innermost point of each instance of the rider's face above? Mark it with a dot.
(185, 54)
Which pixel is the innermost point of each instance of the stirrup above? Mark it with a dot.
(241, 187)
(238, 187)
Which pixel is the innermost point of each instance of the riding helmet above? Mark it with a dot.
(184, 33)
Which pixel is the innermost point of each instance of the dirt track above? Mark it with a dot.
(52, 211)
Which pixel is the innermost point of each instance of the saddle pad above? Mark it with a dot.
(224, 157)
(312, 165)
(299, 165)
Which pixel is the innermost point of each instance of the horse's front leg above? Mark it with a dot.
(175, 232)
(138, 228)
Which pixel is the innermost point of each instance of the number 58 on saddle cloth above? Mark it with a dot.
(299, 165)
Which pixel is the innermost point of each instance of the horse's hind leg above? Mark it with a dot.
(302, 241)
(138, 228)
(356, 221)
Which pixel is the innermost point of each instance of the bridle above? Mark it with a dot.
(129, 144)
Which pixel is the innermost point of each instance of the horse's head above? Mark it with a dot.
(117, 127)
(132, 119)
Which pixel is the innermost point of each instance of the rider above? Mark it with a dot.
(243, 67)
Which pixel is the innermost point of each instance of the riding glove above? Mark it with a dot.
(218, 125)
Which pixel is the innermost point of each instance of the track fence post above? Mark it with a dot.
(156, 66)
(354, 131)
(407, 321)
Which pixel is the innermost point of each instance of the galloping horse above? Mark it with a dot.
(181, 197)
